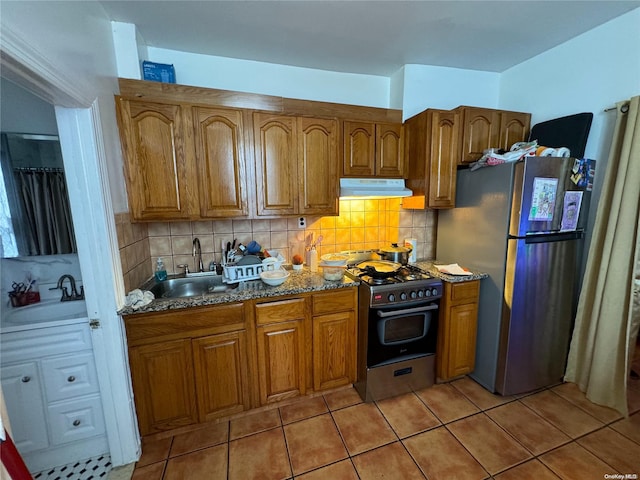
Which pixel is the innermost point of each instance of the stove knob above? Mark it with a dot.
(427, 292)
(434, 291)
(403, 296)
(414, 294)
(420, 293)
(392, 297)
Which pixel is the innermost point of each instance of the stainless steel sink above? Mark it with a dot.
(191, 287)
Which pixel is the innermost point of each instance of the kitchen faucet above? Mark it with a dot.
(198, 251)
(66, 297)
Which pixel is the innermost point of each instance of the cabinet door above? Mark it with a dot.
(162, 377)
(155, 157)
(481, 130)
(220, 162)
(389, 150)
(25, 405)
(276, 164)
(221, 374)
(514, 127)
(334, 362)
(318, 166)
(359, 140)
(444, 152)
(462, 339)
(281, 361)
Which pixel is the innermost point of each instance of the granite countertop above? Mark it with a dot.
(428, 266)
(301, 281)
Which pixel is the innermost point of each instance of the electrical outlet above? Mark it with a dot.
(302, 222)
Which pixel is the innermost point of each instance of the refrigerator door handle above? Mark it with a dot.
(550, 237)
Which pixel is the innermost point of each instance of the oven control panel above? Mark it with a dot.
(406, 293)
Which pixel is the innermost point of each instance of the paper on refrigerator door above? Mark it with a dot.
(543, 199)
(571, 210)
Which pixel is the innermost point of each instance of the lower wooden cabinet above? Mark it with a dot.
(194, 365)
(458, 327)
(221, 361)
(163, 384)
(334, 339)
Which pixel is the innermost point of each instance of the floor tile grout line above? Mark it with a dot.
(578, 406)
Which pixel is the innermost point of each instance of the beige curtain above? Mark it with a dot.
(606, 322)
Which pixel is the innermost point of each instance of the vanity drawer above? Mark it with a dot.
(76, 420)
(42, 342)
(69, 376)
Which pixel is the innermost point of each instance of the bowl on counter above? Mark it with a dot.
(332, 272)
(274, 277)
(334, 259)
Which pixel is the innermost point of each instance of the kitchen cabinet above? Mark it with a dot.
(50, 386)
(432, 148)
(373, 150)
(484, 128)
(458, 327)
(183, 161)
(188, 366)
(334, 338)
(281, 343)
(220, 162)
(159, 173)
(296, 165)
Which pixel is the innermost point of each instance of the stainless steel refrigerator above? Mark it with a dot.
(522, 223)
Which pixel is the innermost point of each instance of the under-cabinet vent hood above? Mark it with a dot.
(373, 188)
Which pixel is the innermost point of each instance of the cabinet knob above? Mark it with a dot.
(76, 423)
(26, 379)
(71, 379)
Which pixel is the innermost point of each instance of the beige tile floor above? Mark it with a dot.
(450, 431)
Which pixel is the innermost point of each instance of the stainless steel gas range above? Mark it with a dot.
(398, 328)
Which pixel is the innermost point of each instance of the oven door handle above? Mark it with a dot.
(406, 311)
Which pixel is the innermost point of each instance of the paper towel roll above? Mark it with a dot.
(547, 152)
(563, 152)
(412, 243)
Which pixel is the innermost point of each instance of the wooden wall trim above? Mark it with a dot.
(158, 92)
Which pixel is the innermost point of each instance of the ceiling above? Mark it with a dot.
(367, 37)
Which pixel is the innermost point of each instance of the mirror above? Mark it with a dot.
(35, 218)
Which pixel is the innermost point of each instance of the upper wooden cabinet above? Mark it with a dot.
(157, 164)
(432, 148)
(373, 150)
(220, 161)
(484, 128)
(296, 165)
(183, 162)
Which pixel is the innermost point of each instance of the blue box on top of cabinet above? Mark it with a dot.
(158, 72)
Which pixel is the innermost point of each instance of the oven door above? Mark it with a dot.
(400, 333)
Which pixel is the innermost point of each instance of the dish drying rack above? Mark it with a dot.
(233, 273)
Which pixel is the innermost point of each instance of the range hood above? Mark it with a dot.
(373, 188)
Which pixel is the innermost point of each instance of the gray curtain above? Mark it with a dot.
(45, 202)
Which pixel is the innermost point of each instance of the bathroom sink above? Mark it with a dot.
(191, 287)
(45, 311)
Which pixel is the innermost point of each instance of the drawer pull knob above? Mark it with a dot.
(76, 423)
(71, 379)
(26, 379)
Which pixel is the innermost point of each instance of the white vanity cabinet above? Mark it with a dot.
(50, 386)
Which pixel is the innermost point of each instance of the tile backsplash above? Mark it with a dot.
(362, 224)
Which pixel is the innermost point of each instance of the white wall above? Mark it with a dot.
(271, 79)
(586, 74)
(443, 87)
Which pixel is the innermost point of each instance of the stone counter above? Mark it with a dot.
(428, 266)
(302, 281)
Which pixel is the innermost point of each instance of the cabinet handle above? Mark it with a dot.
(26, 379)
(71, 379)
(76, 423)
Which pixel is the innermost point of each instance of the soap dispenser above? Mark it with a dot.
(161, 271)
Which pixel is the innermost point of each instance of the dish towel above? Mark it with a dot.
(137, 298)
(453, 269)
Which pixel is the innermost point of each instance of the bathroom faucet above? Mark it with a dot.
(198, 251)
(66, 297)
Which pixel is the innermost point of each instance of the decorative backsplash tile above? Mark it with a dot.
(362, 224)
